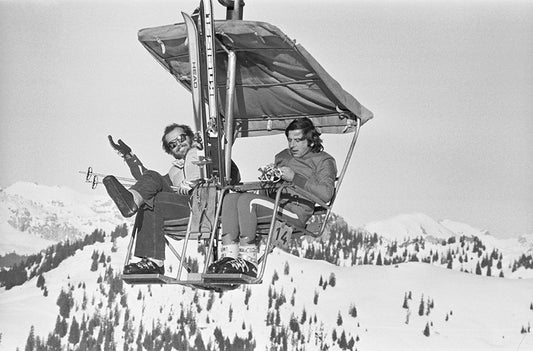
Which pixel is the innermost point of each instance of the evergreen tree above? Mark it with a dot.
(478, 269)
(426, 330)
(294, 326)
(353, 311)
(351, 343)
(421, 307)
(286, 268)
(247, 295)
(53, 342)
(450, 264)
(379, 261)
(74, 333)
(210, 300)
(304, 317)
(63, 328)
(65, 301)
(148, 342)
(405, 301)
(199, 343)
(332, 279)
(343, 344)
(278, 318)
(40, 281)
(94, 264)
(219, 338)
(30, 342)
(339, 319)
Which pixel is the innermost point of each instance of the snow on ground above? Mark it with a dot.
(484, 313)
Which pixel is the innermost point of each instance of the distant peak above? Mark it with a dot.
(408, 226)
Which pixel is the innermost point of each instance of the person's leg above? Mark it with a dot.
(150, 184)
(143, 191)
(230, 232)
(249, 208)
(166, 206)
(150, 243)
(230, 226)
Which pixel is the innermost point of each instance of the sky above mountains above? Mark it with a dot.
(450, 85)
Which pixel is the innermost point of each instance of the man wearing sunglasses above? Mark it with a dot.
(156, 198)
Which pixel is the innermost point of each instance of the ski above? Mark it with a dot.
(197, 93)
(214, 127)
(208, 26)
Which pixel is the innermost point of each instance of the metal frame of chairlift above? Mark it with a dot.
(180, 229)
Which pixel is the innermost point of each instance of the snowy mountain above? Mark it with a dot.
(302, 304)
(409, 226)
(49, 214)
(388, 291)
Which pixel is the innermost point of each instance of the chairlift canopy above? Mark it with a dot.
(277, 80)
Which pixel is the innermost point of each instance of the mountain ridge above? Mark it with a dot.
(57, 212)
(302, 302)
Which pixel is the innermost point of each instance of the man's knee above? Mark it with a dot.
(243, 201)
(149, 174)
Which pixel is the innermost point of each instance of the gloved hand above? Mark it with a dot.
(123, 149)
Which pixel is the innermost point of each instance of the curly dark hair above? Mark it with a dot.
(188, 131)
(309, 131)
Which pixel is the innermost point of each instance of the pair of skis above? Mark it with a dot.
(202, 50)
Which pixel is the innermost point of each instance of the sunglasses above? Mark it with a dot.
(180, 139)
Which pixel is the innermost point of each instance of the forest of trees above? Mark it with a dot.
(346, 246)
(37, 264)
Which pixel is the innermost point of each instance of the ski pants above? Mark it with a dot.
(240, 212)
(161, 203)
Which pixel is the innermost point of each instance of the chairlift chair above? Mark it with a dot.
(266, 80)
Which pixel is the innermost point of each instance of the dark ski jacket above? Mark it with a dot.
(315, 172)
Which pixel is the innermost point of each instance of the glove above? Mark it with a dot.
(123, 149)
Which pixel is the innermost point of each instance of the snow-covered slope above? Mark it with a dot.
(459, 228)
(409, 226)
(469, 312)
(13, 240)
(50, 214)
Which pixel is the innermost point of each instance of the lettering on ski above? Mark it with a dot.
(214, 125)
(200, 140)
(209, 37)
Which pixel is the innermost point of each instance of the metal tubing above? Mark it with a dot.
(270, 232)
(175, 252)
(230, 95)
(233, 9)
(343, 171)
(215, 227)
(130, 245)
(184, 250)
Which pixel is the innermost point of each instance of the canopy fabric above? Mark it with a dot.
(276, 79)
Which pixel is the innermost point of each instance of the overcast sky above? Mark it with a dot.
(450, 84)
